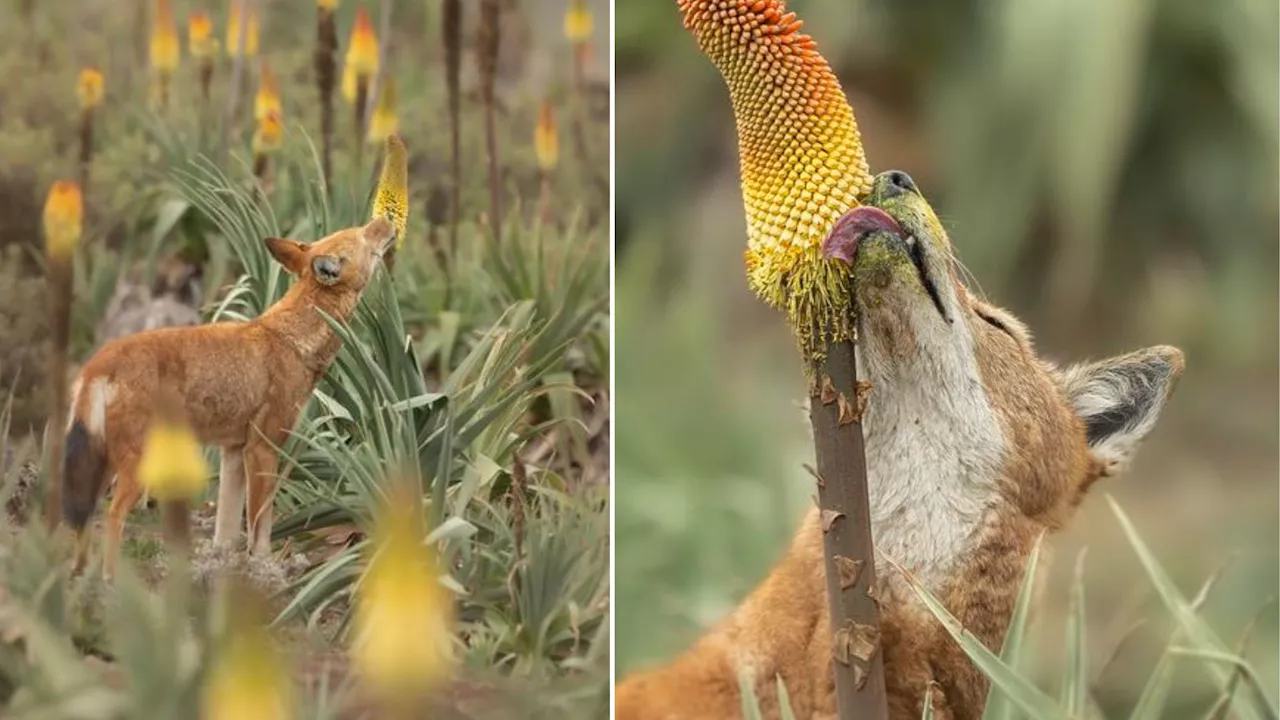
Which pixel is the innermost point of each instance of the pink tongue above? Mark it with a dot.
(843, 241)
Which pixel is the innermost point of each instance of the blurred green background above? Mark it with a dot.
(1108, 171)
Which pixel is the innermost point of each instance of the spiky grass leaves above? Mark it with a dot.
(800, 156)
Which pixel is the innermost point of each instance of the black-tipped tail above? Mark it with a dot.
(84, 469)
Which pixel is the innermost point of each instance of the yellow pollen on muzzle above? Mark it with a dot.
(800, 156)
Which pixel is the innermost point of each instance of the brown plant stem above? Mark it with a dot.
(237, 77)
(487, 47)
(59, 280)
(835, 412)
(326, 74)
(206, 80)
(544, 198)
(86, 149)
(451, 24)
(176, 516)
(362, 100)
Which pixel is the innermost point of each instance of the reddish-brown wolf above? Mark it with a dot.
(240, 386)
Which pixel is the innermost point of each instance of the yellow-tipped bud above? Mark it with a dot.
(89, 88)
(546, 141)
(392, 197)
(403, 614)
(328, 5)
(578, 24)
(362, 50)
(348, 84)
(250, 32)
(268, 136)
(384, 122)
(172, 466)
(63, 219)
(800, 154)
(164, 39)
(249, 678)
(200, 40)
(267, 100)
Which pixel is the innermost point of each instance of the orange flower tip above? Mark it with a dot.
(63, 219)
(89, 88)
(800, 154)
(362, 50)
(200, 40)
(164, 39)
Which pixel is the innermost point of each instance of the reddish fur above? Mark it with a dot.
(241, 384)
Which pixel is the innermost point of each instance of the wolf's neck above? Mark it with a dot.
(933, 445)
(298, 320)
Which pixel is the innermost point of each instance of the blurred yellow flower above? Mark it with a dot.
(327, 4)
(403, 614)
(250, 32)
(348, 84)
(164, 39)
(362, 49)
(391, 200)
(172, 466)
(267, 100)
(63, 219)
(578, 25)
(269, 135)
(546, 141)
(89, 88)
(385, 121)
(249, 678)
(200, 40)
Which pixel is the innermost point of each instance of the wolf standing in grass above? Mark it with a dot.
(240, 385)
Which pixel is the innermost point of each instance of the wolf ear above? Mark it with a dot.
(1120, 399)
(289, 253)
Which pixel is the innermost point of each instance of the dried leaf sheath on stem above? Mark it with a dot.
(487, 49)
(802, 167)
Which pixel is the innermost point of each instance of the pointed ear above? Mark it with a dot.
(289, 253)
(1120, 400)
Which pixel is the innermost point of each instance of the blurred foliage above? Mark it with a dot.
(1107, 172)
(481, 375)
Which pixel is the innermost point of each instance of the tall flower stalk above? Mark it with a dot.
(487, 45)
(268, 137)
(451, 27)
(204, 48)
(173, 471)
(391, 198)
(546, 145)
(164, 53)
(63, 226)
(385, 120)
(358, 71)
(325, 64)
(89, 92)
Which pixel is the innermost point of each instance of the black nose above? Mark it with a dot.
(898, 182)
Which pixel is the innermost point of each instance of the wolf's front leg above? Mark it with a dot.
(261, 464)
(231, 483)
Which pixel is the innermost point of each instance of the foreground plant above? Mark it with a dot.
(63, 225)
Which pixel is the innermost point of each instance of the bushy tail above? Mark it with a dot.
(84, 468)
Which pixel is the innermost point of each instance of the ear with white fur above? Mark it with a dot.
(1120, 400)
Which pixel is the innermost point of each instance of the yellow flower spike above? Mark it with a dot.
(329, 5)
(63, 219)
(164, 39)
(578, 25)
(250, 677)
(392, 197)
(385, 122)
(269, 134)
(200, 41)
(800, 156)
(267, 100)
(250, 32)
(172, 466)
(362, 49)
(403, 614)
(546, 142)
(89, 88)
